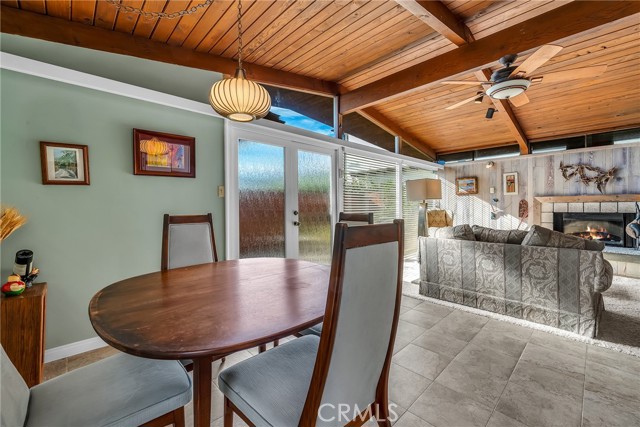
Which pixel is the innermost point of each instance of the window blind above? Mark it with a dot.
(370, 186)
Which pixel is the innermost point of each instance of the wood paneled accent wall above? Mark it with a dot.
(539, 175)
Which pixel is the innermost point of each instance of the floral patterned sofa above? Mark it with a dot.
(554, 285)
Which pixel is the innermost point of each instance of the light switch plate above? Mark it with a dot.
(492, 190)
(220, 190)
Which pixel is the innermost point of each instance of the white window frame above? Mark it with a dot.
(283, 135)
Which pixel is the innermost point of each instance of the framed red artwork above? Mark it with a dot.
(163, 154)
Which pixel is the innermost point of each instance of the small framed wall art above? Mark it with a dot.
(163, 154)
(510, 183)
(64, 164)
(466, 186)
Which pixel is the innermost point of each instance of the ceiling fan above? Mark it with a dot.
(512, 82)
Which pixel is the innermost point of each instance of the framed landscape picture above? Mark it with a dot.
(163, 154)
(466, 185)
(510, 183)
(64, 164)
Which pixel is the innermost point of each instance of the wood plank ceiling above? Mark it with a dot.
(346, 46)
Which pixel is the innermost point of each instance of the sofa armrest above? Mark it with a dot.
(606, 280)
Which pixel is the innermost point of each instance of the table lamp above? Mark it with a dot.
(423, 190)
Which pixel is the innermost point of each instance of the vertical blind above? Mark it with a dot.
(371, 185)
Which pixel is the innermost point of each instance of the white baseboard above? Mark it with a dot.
(73, 349)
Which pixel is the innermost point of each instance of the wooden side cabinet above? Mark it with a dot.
(22, 332)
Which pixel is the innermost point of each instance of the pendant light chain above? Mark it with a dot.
(159, 15)
(239, 34)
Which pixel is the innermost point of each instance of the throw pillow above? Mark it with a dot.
(540, 236)
(439, 218)
(459, 232)
(485, 234)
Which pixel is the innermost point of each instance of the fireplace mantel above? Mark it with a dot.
(593, 198)
(544, 206)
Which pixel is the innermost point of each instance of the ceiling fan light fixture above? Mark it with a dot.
(508, 88)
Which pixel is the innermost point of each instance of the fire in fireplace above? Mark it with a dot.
(606, 227)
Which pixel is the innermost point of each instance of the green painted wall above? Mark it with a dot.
(87, 237)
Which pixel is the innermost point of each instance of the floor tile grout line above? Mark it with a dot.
(584, 384)
(505, 386)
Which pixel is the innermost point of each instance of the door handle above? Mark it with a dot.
(296, 223)
(295, 212)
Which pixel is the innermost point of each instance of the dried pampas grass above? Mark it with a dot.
(10, 221)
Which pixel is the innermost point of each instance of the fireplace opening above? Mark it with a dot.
(605, 227)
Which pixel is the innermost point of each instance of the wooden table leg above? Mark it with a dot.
(202, 391)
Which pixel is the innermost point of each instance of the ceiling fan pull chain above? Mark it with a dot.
(159, 15)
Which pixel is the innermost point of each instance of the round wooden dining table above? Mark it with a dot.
(207, 311)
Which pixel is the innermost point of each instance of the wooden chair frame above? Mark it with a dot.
(184, 219)
(346, 238)
(360, 217)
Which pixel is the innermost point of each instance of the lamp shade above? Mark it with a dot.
(240, 99)
(424, 189)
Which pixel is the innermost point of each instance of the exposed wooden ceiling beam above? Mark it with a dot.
(29, 24)
(379, 119)
(565, 21)
(440, 18)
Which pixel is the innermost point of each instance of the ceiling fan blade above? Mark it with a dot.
(519, 100)
(466, 101)
(536, 59)
(577, 73)
(464, 82)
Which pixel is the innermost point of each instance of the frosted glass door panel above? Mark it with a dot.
(314, 205)
(261, 200)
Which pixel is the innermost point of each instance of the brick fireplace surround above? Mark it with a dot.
(544, 207)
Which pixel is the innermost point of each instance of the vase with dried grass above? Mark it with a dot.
(10, 221)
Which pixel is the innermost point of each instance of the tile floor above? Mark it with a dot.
(453, 368)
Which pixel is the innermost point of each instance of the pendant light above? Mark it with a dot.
(237, 98)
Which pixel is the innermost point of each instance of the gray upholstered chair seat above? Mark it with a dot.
(122, 390)
(271, 388)
(314, 330)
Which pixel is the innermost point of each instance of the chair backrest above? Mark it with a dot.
(356, 218)
(360, 322)
(439, 218)
(188, 240)
(15, 394)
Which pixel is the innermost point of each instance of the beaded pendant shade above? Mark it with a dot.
(154, 147)
(237, 98)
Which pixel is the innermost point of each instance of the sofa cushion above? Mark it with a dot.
(490, 235)
(459, 232)
(540, 236)
(594, 245)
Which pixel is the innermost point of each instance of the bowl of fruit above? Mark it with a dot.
(14, 286)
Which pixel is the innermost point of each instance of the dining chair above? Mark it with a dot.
(352, 219)
(187, 240)
(356, 218)
(311, 380)
(190, 240)
(121, 390)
